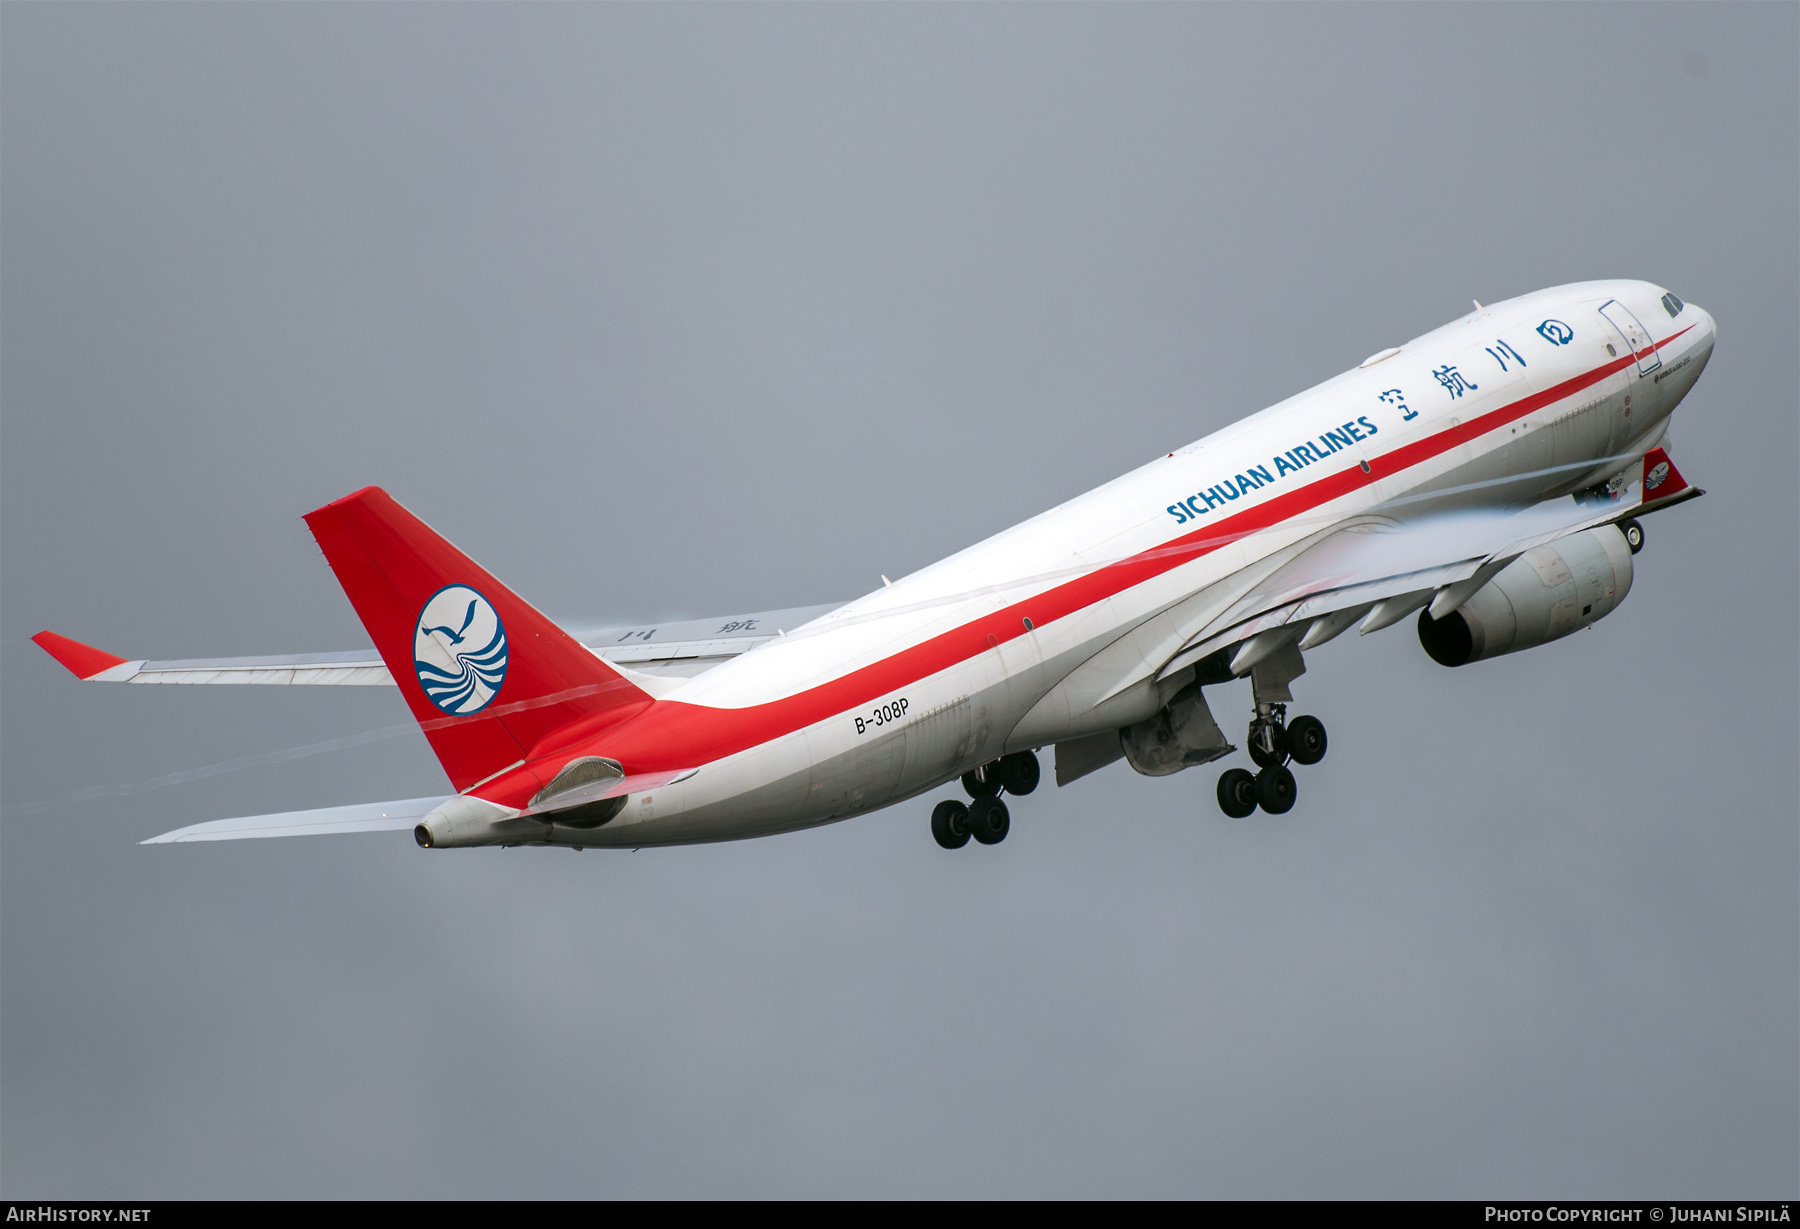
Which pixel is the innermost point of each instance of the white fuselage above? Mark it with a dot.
(1465, 415)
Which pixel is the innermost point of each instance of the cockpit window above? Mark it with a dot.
(1672, 305)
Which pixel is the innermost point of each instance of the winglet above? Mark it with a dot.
(84, 661)
(1661, 479)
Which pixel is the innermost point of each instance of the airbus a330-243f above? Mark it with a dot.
(1489, 476)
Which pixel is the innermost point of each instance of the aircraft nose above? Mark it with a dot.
(1706, 327)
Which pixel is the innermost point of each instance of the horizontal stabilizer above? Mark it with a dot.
(363, 817)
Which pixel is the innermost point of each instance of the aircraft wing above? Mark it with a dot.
(678, 650)
(691, 647)
(1377, 572)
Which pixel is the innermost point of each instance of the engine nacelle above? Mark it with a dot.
(1541, 596)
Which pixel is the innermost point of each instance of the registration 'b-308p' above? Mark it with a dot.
(1488, 478)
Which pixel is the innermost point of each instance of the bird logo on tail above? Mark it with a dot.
(459, 650)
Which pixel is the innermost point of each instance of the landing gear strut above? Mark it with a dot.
(1267, 739)
(1272, 742)
(983, 782)
(985, 818)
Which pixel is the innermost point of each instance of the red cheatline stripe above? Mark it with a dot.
(673, 734)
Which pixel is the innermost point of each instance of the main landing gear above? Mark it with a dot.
(985, 818)
(1272, 741)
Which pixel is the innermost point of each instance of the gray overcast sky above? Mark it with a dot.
(682, 310)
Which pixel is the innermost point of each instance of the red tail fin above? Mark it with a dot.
(487, 676)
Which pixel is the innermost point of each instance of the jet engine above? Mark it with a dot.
(1541, 596)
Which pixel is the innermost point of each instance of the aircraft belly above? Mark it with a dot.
(825, 772)
(781, 805)
(1085, 697)
(956, 720)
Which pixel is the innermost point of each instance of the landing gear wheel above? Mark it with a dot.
(989, 821)
(983, 782)
(1275, 789)
(1237, 793)
(1634, 535)
(1306, 740)
(1275, 753)
(950, 824)
(1019, 773)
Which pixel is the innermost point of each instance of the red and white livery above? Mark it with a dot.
(1487, 476)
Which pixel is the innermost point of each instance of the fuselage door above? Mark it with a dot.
(1635, 336)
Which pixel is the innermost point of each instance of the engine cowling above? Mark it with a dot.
(1541, 596)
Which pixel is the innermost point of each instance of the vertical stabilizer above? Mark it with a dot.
(486, 675)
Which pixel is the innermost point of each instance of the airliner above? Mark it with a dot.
(1488, 477)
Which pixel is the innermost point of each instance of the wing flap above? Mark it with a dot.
(345, 669)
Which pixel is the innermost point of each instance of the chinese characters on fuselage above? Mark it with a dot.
(1453, 381)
